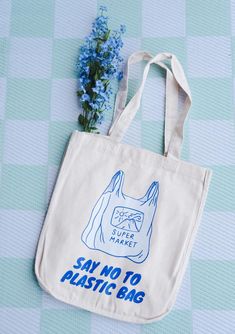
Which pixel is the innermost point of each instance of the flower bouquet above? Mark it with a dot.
(99, 62)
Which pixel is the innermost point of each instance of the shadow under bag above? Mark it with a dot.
(121, 221)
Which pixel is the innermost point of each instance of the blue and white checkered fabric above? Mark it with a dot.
(39, 43)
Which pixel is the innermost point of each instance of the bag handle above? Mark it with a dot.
(116, 183)
(174, 119)
(151, 195)
(121, 95)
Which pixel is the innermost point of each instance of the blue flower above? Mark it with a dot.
(94, 106)
(100, 119)
(120, 76)
(123, 28)
(99, 88)
(98, 63)
(85, 97)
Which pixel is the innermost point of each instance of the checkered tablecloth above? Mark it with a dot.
(39, 42)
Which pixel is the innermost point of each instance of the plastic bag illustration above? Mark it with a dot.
(120, 225)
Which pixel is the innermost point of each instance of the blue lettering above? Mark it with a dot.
(89, 282)
(128, 274)
(115, 273)
(82, 281)
(73, 279)
(106, 271)
(138, 298)
(103, 287)
(122, 292)
(87, 265)
(113, 286)
(130, 295)
(94, 266)
(135, 279)
(112, 272)
(79, 262)
(98, 282)
(67, 275)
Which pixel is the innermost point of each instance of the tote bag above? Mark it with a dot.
(121, 220)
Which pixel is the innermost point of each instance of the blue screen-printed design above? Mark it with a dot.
(121, 225)
(127, 219)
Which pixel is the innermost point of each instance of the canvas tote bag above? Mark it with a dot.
(121, 220)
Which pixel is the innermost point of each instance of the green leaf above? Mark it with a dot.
(106, 35)
(79, 93)
(96, 116)
(96, 76)
(82, 120)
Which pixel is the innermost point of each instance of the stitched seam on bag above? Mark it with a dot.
(105, 311)
(115, 148)
(50, 208)
(185, 257)
(190, 241)
(100, 310)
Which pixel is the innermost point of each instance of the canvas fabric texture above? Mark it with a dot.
(119, 213)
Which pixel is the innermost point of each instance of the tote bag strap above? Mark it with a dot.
(174, 118)
(121, 96)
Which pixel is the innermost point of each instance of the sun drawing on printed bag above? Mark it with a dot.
(127, 218)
